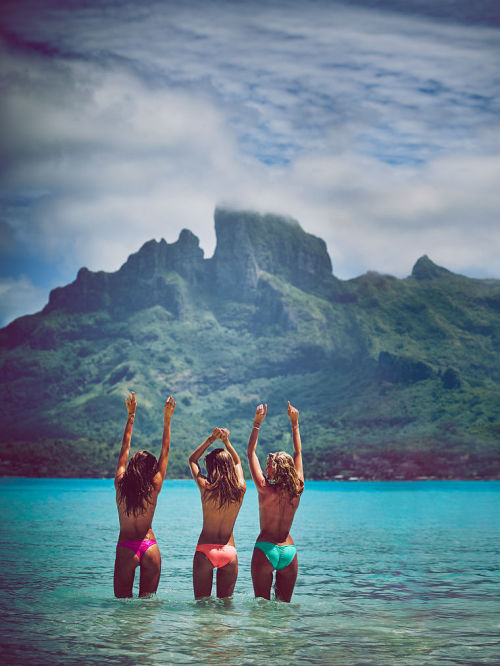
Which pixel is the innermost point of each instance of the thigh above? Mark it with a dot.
(126, 562)
(203, 573)
(150, 571)
(262, 574)
(285, 580)
(226, 578)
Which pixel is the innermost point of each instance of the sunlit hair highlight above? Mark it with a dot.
(136, 485)
(224, 485)
(285, 475)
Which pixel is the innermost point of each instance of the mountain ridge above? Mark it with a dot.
(395, 378)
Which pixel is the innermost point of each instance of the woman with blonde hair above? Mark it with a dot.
(222, 492)
(137, 487)
(279, 496)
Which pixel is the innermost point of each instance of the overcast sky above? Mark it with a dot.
(375, 124)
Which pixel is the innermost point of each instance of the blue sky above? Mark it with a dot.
(375, 124)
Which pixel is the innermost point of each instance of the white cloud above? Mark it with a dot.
(19, 297)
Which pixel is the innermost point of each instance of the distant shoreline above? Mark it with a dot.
(334, 481)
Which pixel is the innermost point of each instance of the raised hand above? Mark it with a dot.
(131, 403)
(224, 435)
(293, 414)
(260, 414)
(169, 408)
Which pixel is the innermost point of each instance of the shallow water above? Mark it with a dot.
(389, 573)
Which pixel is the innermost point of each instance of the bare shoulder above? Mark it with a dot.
(157, 482)
(203, 482)
(266, 489)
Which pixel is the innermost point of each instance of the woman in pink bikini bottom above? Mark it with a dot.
(222, 492)
(137, 488)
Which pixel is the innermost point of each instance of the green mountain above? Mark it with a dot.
(393, 378)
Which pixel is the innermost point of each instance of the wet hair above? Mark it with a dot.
(285, 475)
(225, 487)
(136, 485)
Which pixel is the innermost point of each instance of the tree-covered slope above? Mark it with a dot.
(393, 378)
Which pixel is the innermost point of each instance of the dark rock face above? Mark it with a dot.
(402, 369)
(141, 282)
(235, 268)
(270, 308)
(247, 245)
(184, 257)
(90, 291)
(425, 269)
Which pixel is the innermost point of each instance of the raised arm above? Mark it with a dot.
(255, 468)
(196, 455)
(168, 411)
(224, 436)
(127, 436)
(293, 415)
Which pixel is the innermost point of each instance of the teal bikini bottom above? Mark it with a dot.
(279, 556)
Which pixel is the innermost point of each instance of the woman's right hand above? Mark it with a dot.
(131, 403)
(293, 415)
(169, 408)
(260, 414)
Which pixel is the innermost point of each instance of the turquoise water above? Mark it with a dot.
(389, 573)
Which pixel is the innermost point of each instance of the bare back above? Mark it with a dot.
(218, 523)
(138, 527)
(276, 513)
(279, 498)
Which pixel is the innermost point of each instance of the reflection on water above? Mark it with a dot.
(388, 574)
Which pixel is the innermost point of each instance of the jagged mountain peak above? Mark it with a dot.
(249, 243)
(426, 269)
(387, 373)
(154, 258)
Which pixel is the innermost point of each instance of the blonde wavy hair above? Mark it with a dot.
(285, 474)
(225, 487)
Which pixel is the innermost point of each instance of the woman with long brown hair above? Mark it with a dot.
(222, 492)
(137, 488)
(279, 496)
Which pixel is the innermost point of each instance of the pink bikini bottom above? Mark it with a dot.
(218, 555)
(139, 547)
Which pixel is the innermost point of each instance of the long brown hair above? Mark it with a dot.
(285, 475)
(225, 487)
(136, 485)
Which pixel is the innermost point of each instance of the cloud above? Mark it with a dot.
(383, 216)
(379, 132)
(19, 297)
